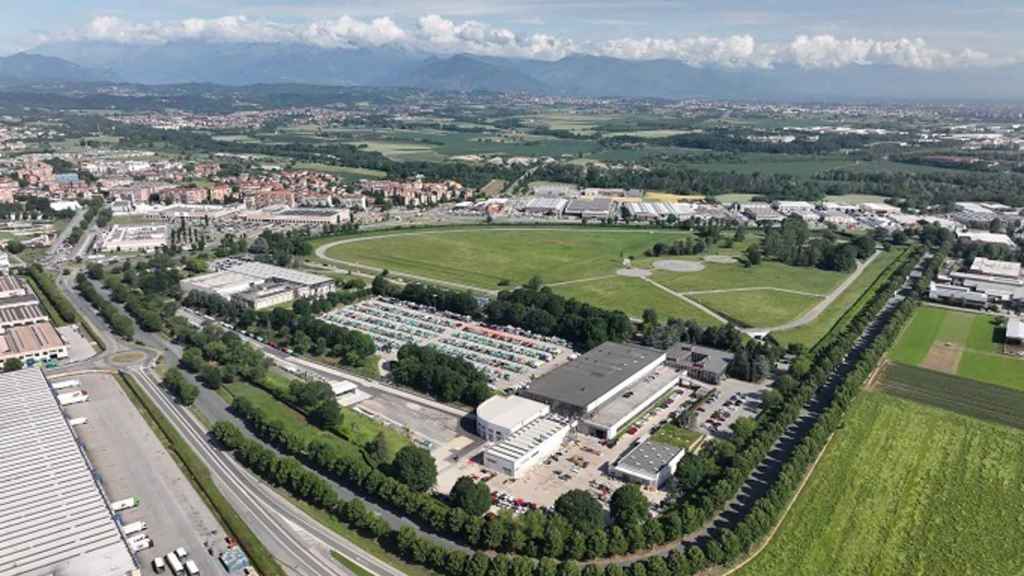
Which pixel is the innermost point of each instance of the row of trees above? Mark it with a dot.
(183, 391)
(442, 376)
(298, 328)
(724, 546)
(686, 247)
(92, 209)
(120, 323)
(49, 287)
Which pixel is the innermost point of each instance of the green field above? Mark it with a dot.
(761, 308)
(674, 435)
(961, 343)
(495, 258)
(767, 274)
(810, 334)
(1000, 404)
(483, 258)
(633, 296)
(906, 489)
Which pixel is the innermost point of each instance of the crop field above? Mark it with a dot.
(761, 308)
(633, 296)
(961, 395)
(810, 334)
(959, 343)
(906, 489)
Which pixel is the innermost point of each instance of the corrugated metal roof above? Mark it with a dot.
(53, 518)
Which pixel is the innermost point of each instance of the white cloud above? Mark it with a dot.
(434, 33)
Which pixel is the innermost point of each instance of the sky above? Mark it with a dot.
(932, 34)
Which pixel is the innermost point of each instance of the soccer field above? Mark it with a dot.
(961, 343)
(906, 489)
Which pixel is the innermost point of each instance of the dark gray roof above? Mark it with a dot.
(581, 205)
(710, 359)
(593, 374)
(649, 457)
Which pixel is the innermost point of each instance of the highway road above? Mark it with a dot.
(299, 542)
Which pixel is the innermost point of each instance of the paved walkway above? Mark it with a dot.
(690, 301)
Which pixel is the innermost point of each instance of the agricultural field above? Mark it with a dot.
(959, 343)
(968, 397)
(810, 334)
(906, 489)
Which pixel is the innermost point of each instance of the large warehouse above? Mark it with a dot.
(581, 386)
(53, 517)
(249, 282)
(148, 238)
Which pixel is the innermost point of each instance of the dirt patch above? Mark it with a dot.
(943, 357)
(719, 259)
(126, 358)
(678, 265)
(633, 272)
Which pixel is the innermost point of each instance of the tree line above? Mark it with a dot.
(120, 323)
(442, 376)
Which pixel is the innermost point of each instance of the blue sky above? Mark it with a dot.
(725, 32)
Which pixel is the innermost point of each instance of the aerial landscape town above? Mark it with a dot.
(464, 316)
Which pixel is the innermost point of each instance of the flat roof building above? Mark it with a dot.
(1014, 331)
(501, 416)
(516, 454)
(32, 343)
(11, 286)
(988, 238)
(608, 420)
(266, 295)
(583, 385)
(650, 463)
(589, 208)
(53, 517)
(306, 284)
(224, 283)
(700, 362)
(996, 267)
(134, 238)
(21, 315)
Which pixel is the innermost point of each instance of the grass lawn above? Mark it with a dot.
(483, 258)
(856, 199)
(810, 334)
(675, 436)
(760, 308)
(767, 274)
(633, 296)
(906, 489)
(976, 336)
(348, 171)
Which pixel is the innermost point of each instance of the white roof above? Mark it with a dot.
(996, 267)
(1015, 329)
(511, 412)
(988, 238)
(521, 443)
(269, 271)
(53, 519)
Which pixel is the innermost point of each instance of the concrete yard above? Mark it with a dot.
(131, 462)
(79, 348)
(749, 405)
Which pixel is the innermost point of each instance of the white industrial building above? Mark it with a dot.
(649, 463)
(306, 284)
(987, 238)
(53, 517)
(224, 284)
(499, 417)
(531, 444)
(996, 267)
(134, 238)
(259, 285)
(266, 296)
(659, 210)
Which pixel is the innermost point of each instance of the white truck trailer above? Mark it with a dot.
(66, 384)
(133, 527)
(75, 397)
(125, 504)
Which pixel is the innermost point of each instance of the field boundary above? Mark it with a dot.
(953, 393)
(792, 501)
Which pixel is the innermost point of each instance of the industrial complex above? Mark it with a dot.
(54, 518)
(259, 285)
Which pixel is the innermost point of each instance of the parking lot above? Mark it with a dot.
(730, 400)
(131, 462)
(510, 357)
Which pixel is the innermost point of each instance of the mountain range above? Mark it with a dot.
(238, 64)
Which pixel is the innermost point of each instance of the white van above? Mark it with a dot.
(159, 565)
(193, 570)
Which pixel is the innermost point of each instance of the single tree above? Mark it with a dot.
(629, 505)
(473, 497)
(415, 467)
